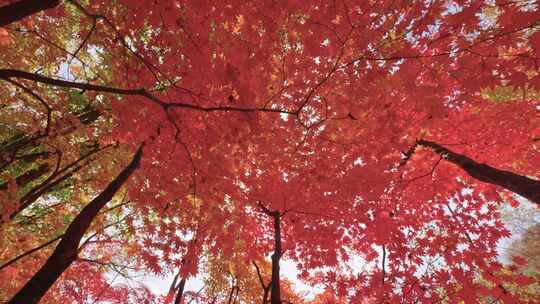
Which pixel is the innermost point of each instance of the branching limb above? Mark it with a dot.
(30, 252)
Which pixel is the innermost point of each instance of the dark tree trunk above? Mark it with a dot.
(18, 10)
(266, 288)
(265, 295)
(180, 291)
(66, 251)
(236, 294)
(233, 288)
(524, 186)
(275, 295)
(275, 292)
(174, 286)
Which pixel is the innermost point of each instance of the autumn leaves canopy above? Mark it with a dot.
(179, 137)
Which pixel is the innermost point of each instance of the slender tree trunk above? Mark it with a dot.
(18, 10)
(266, 288)
(231, 294)
(524, 186)
(275, 292)
(236, 294)
(66, 251)
(174, 286)
(265, 295)
(275, 295)
(180, 291)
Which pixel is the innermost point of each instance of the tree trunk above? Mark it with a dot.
(266, 288)
(275, 290)
(524, 186)
(66, 251)
(180, 291)
(265, 295)
(236, 294)
(275, 295)
(233, 288)
(18, 10)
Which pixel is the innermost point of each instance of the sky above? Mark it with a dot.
(160, 285)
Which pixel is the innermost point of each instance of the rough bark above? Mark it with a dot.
(519, 184)
(66, 251)
(21, 9)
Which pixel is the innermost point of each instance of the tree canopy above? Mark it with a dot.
(372, 143)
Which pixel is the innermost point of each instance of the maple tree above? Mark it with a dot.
(231, 134)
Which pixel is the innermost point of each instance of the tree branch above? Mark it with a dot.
(7, 74)
(30, 252)
(519, 184)
(18, 10)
